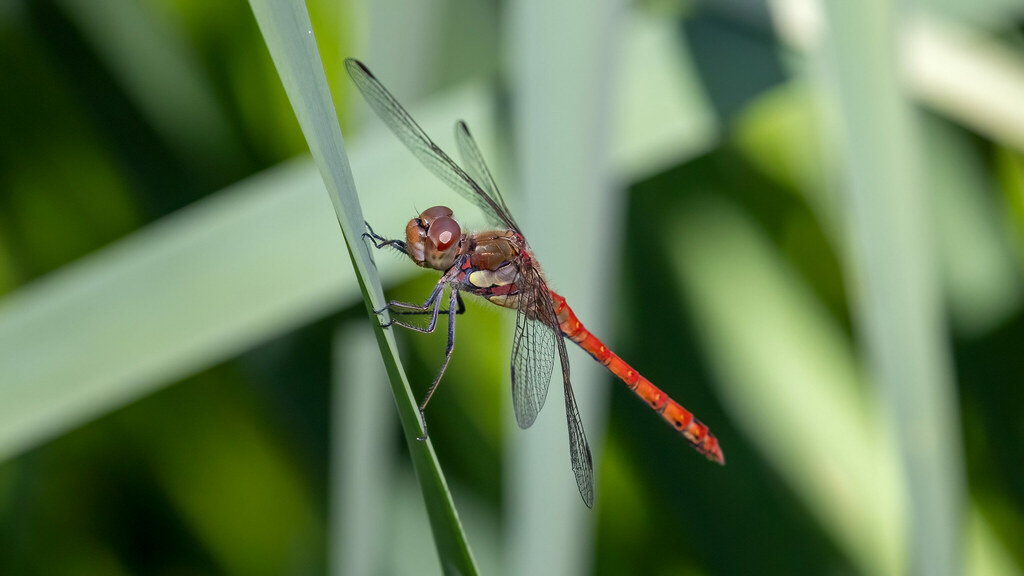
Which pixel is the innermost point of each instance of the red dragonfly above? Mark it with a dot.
(498, 265)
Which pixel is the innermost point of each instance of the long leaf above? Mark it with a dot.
(897, 304)
(289, 35)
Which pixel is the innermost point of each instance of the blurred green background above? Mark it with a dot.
(188, 384)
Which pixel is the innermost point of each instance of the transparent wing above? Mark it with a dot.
(416, 140)
(533, 350)
(537, 338)
(474, 164)
(579, 449)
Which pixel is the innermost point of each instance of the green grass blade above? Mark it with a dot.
(892, 272)
(289, 36)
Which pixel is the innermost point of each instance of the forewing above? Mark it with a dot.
(533, 351)
(473, 162)
(416, 140)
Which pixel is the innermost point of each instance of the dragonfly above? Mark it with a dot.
(498, 265)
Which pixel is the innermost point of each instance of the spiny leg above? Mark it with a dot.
(444, 366)
(432, 306)
(381, 242)
(433, 302)
(406, 308)
(460, 310)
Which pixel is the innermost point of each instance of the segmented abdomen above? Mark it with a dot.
(678, 417)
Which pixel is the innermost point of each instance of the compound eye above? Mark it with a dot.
(444, 232)
(430, 214)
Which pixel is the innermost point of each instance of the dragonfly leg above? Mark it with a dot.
(380, 241)
(460, 310)
(447, 357)
(433, 302)
(417, 308)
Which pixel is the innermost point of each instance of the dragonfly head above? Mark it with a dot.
(433, 238)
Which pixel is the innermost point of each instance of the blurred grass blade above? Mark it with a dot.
(162, 304)
(563, 57)
(986, 556)
(968, 76)
(661, 114)
(289, 35)
(982, 283)
(789, 377)
(395, 29)
(361, 475)
(245, 460)
(782, 134)
(134, 39)
(891, 272)
(958, 71)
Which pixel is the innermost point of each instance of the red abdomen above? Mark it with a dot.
(675, 415)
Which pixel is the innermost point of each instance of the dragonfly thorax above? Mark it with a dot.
(490, 250)
(434, 238)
